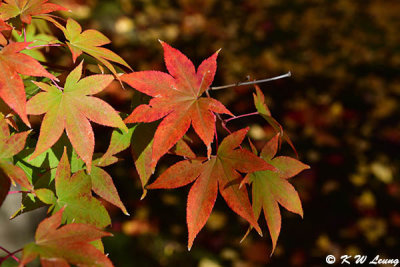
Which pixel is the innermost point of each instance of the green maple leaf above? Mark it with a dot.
(26, 9)
(45, 167)
(59, 246)
(74, 193)
(270, 188)
(71, 109)
(36, 39)
(90, 42)
(263, 110)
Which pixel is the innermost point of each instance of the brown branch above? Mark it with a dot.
(252, 82)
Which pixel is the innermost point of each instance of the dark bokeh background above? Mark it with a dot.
(340, 107)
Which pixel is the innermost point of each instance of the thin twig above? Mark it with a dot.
(252, 82)
(216, 136)
(56, 85)
(241, 116)
(17, 192)
(219, 116)
(13, 255)
(10, 254)
(223, 124)
(45, 45)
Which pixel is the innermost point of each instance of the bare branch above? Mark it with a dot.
(9, 254)
(241, 116)
(252, 82)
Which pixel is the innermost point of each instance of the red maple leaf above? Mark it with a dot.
(220, 173)
(59, 246)
(12, 89)
(177, 99)
(4, 27)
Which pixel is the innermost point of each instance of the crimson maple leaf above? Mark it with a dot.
(221, 171)
(12, 89)
(58, 246)
(270, 188)
(26, 9)
(177, 99)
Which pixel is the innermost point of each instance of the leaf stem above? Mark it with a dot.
(223, 124)
(45, 45)
(10, 254)
(56, 85)
(24, 34)
(216, 137)
(241, 116)
(17, 192)
(219, 117)
(252, 82)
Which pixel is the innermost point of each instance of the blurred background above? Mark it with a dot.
(340, 108)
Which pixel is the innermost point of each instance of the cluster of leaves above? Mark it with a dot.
(339, 109)
(60, 170)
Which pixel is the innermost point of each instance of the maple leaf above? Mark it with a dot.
(183, 149)
(177, 99)
(46, 165)
(12, 89)
(38, 40)
(119, 141)
(71, 109)
(26, 9)
(218, 173)
(90, 42)
(270, 188)
(58, 246)
(4, 27)
(11, 145)
(142, 151)
(263, 110)
(102, 183)
(74, 193)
